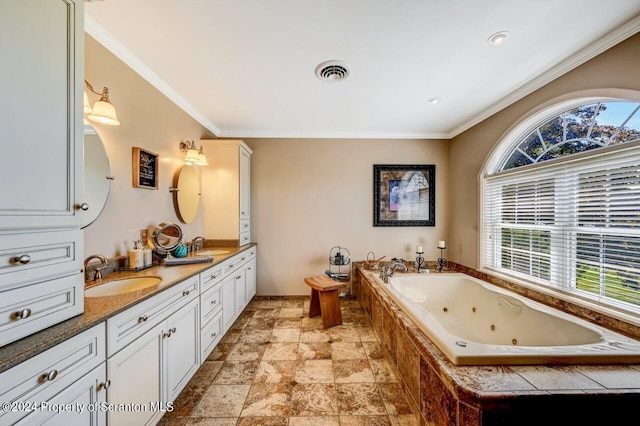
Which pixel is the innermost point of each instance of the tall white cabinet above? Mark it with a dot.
(226, 192)
(41, 283)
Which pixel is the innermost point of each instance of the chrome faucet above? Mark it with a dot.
(388, 270)
(98, 274)
(194, 243)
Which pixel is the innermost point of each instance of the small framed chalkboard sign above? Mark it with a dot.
(145, 169)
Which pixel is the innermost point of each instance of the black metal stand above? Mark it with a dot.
(419, 261)
(442, 262)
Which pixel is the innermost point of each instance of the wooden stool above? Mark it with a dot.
(325, 300)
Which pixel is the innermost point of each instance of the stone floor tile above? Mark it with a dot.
(353, 371)
(267, 399)
(288, 323)
(255, 335)
(290, 313)
(186, 402)
(405, 420)
(365, 421)
(172, 421)
(264, 304)
(213, 421)
(281, 352)
(346, 333)
(360, 399)
(220, 352)
(373, 349)
(275, 372)
(313, 400)
(285, 335)
(366, 334)
(314, 323)
(347, 350)
(266, 313)
(246, 352)
(231, 337)
(383, 371)
(262, 421)
(315, 371)
(314, 336)
(236, 372)
(314, 421)
(222, 401)
(294, 303)
(261, 323)
(314, 350)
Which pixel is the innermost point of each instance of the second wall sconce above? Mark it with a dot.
(193, 155)
(103, 111)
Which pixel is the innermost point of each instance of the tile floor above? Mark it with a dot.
(276, 366)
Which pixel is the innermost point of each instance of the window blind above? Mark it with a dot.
(572, 224)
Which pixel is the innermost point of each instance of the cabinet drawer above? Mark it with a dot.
(211, 277)
(210, 336)
(211, 303)
(48, 373)
(31, 308)
(29, 257)
(245, 238)
(245, 225)
(127, 326)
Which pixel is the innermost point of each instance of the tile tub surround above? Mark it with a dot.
(446, 394)
(276, 366)
(99, 309)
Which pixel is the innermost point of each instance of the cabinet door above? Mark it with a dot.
(240, 290)
(71, 407)
(41, 162)
(250, 280)
(181, 348)
(136, 378)
(245, 180)
(228, 301)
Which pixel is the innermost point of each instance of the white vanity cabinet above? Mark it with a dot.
(154, 349)
(226, 194)
(71, 372)
(41, 281)
(237, 292)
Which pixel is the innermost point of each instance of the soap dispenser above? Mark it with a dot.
(148, 255)
(136, 256)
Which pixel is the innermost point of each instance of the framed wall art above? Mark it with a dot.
(404, 195)
(145, 169)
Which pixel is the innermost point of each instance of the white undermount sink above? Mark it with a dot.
(212, 252)
(125, 285)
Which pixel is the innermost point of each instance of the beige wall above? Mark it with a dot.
(309, 195)
(148, 120)
(615, 68)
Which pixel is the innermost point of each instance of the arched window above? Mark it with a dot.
(561, 206)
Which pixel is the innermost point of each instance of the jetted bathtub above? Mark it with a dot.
(476, 323)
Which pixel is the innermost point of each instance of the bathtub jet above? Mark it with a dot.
(476, 323)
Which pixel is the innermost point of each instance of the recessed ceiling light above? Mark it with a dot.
(434, 100)
(498, 38)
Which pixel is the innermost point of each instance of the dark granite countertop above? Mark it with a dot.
(99, 309)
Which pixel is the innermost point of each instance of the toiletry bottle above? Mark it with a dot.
(136, 256)
(148, 255)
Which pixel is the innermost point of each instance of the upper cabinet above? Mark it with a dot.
(226, 194)
(41, 46)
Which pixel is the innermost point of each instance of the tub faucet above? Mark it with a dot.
(388, 270)
(98, 274)
(194, 244)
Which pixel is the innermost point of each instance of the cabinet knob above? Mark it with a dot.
(104, 385)
(23, 259)
(23, 314)
(143, 318)
(49, 376)
(83, 207)
(238, 277)
(213, 335)
(213, 302)
(185, 293)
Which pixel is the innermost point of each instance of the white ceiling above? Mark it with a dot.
(245, 68)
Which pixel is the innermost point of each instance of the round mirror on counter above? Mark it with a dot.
(186, 195)
(164, 238)
(96, 179)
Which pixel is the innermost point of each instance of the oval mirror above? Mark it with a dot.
(165, 237)
(96, 178)
(187, 196)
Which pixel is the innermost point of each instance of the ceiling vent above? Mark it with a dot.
(332, 71)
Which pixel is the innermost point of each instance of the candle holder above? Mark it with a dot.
(418, 264)
(442, 262)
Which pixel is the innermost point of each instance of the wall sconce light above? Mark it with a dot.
(193, 155)
(103, 111)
